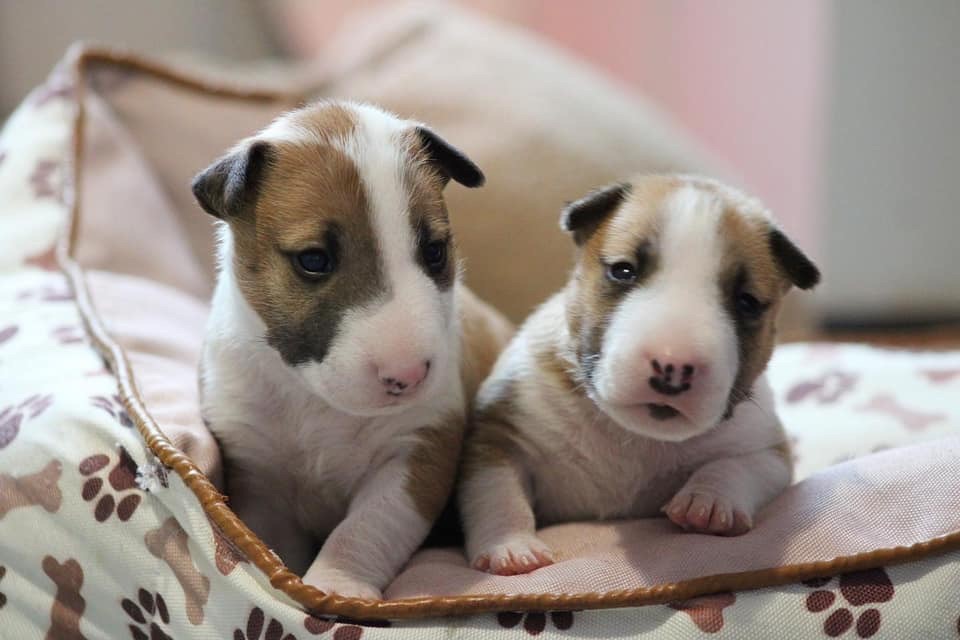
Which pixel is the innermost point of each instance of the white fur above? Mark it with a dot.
(312, 455)
(677, 317)
(414, 322)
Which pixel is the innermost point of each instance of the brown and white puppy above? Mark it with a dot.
(340, 340)
(639, 387)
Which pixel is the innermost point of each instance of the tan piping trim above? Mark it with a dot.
(280, 577)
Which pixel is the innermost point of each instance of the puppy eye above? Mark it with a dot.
(313, 262)
(435, 255)
(748, 306)
(623, 272)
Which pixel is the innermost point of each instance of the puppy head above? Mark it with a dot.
(673, 302)
(339, 240)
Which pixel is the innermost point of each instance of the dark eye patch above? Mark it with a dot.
(745, 307)
(433, 254)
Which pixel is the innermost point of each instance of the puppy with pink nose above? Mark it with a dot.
(639, 387)
(341, 345)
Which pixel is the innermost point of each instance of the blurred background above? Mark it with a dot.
(841, 116)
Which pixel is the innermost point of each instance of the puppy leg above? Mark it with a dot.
(275, 527)
(723, 496)
(382, 529)
(499, 523)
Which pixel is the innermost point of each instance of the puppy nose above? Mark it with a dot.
(402, 379)
(671, 379)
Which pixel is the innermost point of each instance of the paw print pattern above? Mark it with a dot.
(45, 179)
(14, 416)
(941, 376)
(227, 555)
(911, 419)
(858, 589)
(343, 628)
(149, 615)
(114, 407)
(255, 628)
(47, 294)
(706, 611)
(122, 479)
(8, 332)
(535, 622)
(826, 389)
(68, 334)
(46, 259)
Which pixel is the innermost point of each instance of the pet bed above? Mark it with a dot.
(110, 521)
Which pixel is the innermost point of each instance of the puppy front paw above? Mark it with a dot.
(341, 583)
(706, 512)
(513, 555)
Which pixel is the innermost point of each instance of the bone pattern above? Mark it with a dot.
(38, 488)
(169, 543)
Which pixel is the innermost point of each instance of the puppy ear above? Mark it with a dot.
(450, 161)
(798, 267)
(582, 217)
(228, 187)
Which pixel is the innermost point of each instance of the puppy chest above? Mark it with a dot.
(605, 485)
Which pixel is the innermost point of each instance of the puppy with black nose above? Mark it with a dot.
(639, 387)
(340, 346)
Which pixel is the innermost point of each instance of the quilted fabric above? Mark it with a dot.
(97, 540)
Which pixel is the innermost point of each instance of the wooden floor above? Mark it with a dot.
(939, 338)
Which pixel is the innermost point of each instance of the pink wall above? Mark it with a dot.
(744, 76)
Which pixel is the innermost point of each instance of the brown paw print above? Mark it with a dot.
(706, 611)
(122, 479)
(535, 622)
(114, 407)
(858, 589)
(149, 614)
(14, 416)
(45, 179)
(3, 598)
(255, 627)
(343, 628)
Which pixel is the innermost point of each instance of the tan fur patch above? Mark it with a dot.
(433, 465)
(311, 195)
(637, 219)
(484, 334)
(748, 250)
(490, 443)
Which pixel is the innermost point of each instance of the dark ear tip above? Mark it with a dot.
(451, 162)
(474, 178)
(810, 278)
(798, 267)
